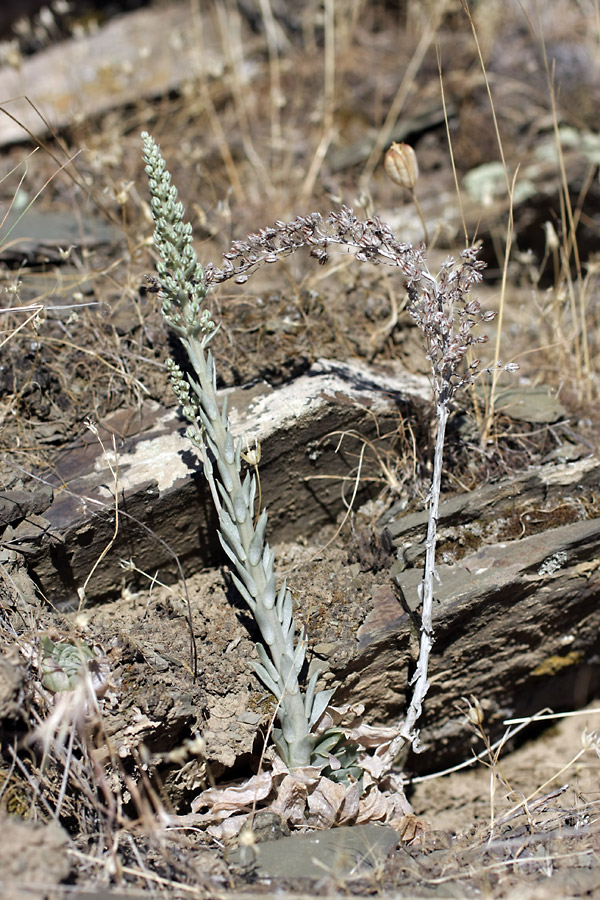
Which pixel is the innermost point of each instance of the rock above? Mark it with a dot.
(31, 855)
(44, 236)
(141, 55)
(12, 680)
(16, 505)
(538, 498)
(528, 403)
(166, 518)
(334, 853)
(516, 618)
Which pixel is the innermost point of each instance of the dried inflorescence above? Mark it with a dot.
(444, 311)
(370, 241)
(441, 306)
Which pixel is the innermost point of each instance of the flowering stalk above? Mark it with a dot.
(183, 290)
(445, 314)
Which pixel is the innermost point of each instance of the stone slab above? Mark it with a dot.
(516, 621)
(334, 853)
(143, 469)
(141, 55)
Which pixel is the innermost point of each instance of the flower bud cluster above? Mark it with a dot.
(180, 274)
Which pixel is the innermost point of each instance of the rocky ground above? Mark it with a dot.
(108, 543)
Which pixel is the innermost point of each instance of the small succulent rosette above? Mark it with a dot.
(64, 662)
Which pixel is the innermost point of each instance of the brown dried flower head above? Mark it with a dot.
(401, 165)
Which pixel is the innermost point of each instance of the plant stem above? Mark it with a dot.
(421, 216)
(408, 733)
(420, 679)
(252, 558)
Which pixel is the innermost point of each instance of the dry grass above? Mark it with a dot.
(326, 76)
(332, 84)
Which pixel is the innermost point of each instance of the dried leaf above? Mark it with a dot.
(325, 804)
(351, 805)
(229, 828)
(234, 797)
(410, 828)
(302, 797)
(290, 803)
(373, 807)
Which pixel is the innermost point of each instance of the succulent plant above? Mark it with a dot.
(62, 663)
(183, 291)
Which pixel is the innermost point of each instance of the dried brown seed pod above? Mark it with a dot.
(401, 165)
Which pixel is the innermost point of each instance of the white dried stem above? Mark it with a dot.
(408, 732)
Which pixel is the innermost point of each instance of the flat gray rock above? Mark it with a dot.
(45, 236)
(152, 476)
(336, 853)
(141, 55)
